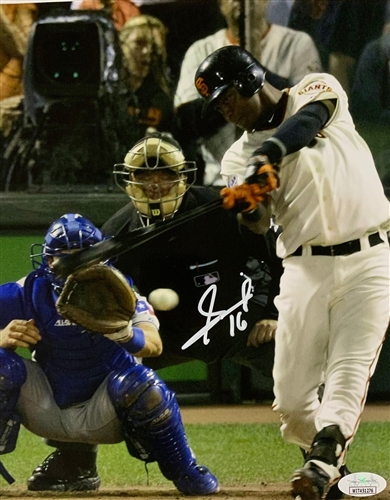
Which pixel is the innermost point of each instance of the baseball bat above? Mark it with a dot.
(117, 245)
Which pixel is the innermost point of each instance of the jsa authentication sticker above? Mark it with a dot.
(362, 484)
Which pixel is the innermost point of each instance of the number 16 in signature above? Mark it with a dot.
(213, 317)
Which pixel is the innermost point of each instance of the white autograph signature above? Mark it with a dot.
(235, 321)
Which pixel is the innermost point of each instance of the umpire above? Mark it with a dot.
(226, 277)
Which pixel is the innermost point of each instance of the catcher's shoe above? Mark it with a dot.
(65, 471)
(314, 480)
(197, 480)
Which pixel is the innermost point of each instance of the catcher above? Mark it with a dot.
(84, 384)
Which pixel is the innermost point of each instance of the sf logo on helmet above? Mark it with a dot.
(202, 86)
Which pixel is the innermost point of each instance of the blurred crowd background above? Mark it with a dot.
(81, 81)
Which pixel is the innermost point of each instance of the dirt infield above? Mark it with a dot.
(204, 415)
(260, 492)
(261, 414)
(263, 492)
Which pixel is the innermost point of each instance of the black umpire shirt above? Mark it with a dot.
(212, 250)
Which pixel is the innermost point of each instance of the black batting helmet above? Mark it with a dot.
(226, 67)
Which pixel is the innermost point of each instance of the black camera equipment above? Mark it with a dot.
(74, 124)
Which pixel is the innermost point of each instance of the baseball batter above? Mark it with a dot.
(300, 145)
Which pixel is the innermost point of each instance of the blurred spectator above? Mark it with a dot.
(278, 11)
(370, 96)
(15, 24)
(317, 18)
(143, 41)
(370, 101)
(357, 22)
(121, 10)
(288, 55)
(10, 110)
(187, 21)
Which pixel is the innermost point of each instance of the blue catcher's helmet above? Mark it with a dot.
(69, 232)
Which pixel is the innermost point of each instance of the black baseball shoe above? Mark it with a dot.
(314, 480)
(319, 476)
(334, 492)
(66, 471)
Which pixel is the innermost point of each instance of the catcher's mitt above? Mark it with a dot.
(98, 298)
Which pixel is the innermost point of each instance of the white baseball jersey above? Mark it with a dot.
(329, 193)
(288, 53)
(333, 310)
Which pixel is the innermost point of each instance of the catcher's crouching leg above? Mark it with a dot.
(154, 431)
(13, 374)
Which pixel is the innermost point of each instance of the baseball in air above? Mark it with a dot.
(164, 299)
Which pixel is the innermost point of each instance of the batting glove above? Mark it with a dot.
(260, 171)
(242, 198)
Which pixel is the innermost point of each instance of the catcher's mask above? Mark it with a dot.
(229, 66)
(156, 176)
(69, 232)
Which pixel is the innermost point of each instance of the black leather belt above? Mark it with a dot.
(346, 248)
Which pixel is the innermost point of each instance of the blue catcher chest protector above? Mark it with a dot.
(153, 428)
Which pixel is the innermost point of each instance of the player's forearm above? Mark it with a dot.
(153, 343)
(296, 132)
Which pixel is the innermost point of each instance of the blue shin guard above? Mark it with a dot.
(150, 413)
(13, 374)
